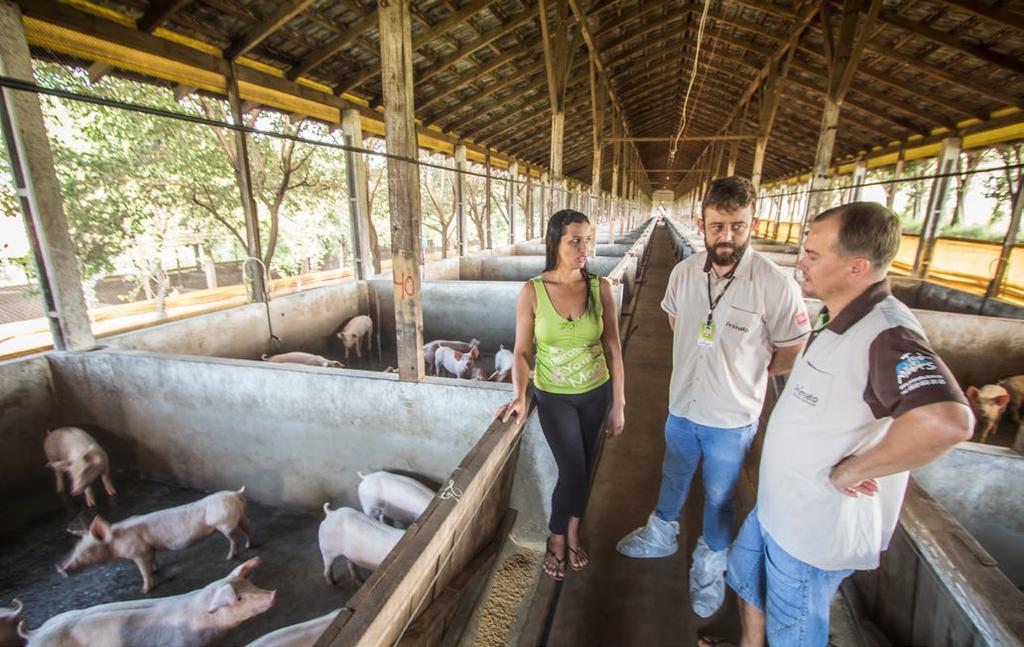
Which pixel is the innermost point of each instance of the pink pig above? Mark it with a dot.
(73, 451)
(138, 538)
(352, 335)
(199, 617)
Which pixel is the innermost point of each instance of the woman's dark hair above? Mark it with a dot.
(553, 237)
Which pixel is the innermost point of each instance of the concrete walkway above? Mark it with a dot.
(616, 600)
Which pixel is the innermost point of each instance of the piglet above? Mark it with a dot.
(363, 541)
(353, 333)
(479, 375)
(72, 451)
(199, 617)
(448, 360)
(138, 538)
(503, 361)
(1015, 388)
(298, 357)
(10, 618)
(303, 634)
(383, 495)
(430, 350)
(989, 402)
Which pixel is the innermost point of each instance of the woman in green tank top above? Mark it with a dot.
(571, 319)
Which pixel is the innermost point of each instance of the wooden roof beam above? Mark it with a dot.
(255, 35)
(438, 30)
(913, 63)
(953, 42)
(524, 74)
(318, 56)
(484, 40)
(484, 71)
(990, 12)
(158, 13)
(800, 23)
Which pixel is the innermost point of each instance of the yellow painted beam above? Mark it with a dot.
(57, 38)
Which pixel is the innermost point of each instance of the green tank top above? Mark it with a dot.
(570, 358)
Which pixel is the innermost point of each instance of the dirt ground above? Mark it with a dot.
(286, 542)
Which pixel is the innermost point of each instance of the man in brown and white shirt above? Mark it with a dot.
(867, 401)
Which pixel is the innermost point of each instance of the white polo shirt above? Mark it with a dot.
(723, 384)
(868, 366)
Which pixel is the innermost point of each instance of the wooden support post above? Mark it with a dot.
(403, 183)
(513, 174)
(718, 149)
(767, 106)
(545, 198)
(460, 197)
(995, 286)
(38, 190)
(890, 193)
(489, 244)
(530, 201)
(734, 154)
(358, 195)
(842, 55)
(860, 172)
(613, 205)
(558, 56)
(946, 164)
(243, 175)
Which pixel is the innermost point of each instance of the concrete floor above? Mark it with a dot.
(286, 543)
(616, 600)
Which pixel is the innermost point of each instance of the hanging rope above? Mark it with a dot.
(689, 86)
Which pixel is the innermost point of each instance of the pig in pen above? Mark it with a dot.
(176, 428)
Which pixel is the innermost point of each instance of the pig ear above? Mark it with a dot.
(61, 465)
(224, 596)
(100, 529)
(243, 569)
(93, 457)
(458, 356)
(972, 392)
(1002, 400)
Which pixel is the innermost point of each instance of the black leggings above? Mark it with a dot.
(571, 424)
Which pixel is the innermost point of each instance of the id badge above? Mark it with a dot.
(706, 335)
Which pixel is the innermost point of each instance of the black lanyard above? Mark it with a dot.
(714, 303)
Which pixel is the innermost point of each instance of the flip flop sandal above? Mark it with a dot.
(575, 552)
(559, 566)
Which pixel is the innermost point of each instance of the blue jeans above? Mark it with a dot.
(723, 451)
(793, 595)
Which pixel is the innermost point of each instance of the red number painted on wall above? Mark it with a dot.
(407, 283)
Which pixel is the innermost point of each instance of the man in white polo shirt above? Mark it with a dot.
(867, 401)
(737, 318)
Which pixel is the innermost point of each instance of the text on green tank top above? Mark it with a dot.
(570, 357)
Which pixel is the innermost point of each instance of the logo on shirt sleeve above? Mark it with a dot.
(800, 318)
(907, 370)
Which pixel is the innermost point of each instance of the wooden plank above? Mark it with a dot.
(443, 622)
(970, 577)
(258, 33)
(403, 184)
(384, 602)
